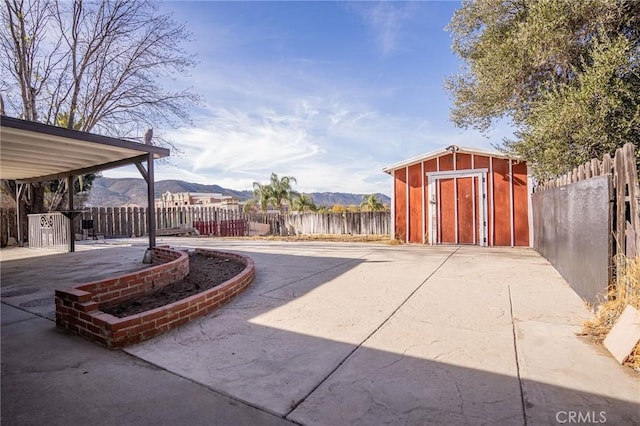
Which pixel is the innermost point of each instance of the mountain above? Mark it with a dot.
(110, 192)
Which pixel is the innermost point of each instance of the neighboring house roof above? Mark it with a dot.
(444, 151)
(206, 194)
(216, 195)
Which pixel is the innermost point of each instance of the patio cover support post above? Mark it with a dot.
(151, 202)
(71, 230)
(19, 194)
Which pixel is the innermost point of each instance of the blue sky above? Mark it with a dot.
(327, 92)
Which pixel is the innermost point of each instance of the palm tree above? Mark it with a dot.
(262, 195)
(371, 203)
(281, 191)
(274, 193)
(304, 202)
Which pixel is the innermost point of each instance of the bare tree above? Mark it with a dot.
(94, 66)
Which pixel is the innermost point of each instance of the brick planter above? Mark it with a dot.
(78, 308)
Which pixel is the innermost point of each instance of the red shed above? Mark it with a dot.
(459, 195)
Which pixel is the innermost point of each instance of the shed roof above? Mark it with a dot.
(444, 151)
(31, 152)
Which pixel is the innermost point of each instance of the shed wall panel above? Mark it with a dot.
(415, 203)
(400, 204)
(502, 202)
(463, 161)
(520, 205)
(446, 162)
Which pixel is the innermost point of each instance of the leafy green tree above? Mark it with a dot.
(304, 203)
(565, 73)
(92, 66)
(372, 203)
(574, 123)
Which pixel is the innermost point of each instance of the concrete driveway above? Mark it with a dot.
(347, 334)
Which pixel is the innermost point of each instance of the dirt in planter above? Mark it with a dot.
(205, 272)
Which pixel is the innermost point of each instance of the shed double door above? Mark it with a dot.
(460, 210)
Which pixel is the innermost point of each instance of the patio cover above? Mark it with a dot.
(36, 152)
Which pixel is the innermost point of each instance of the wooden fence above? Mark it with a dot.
(132, 222)
(353, 223)
(625, 220)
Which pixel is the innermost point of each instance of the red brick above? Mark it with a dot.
(73, 294)
(103, 319)
(194, 300)
(180, 321)
(119, 335)
(154, 314)
(162, 320)
(171, 316)
(211, 295)
(130, 291)
(87, 306)
(127, 322)
(151, 333)
(110, 282)
(144, 327)
(219, 298)
(84, 316)
(188, 311)
(197, 314)
(162, 328)
(177, 307)
(93, 329)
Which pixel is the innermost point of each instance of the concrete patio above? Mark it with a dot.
(328, 334)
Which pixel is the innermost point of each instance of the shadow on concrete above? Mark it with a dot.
(305, 367)
(373, 386)
(52, 377)
(355, 366)
(29, 283)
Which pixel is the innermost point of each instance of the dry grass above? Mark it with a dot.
(380, 239)
(627, 293)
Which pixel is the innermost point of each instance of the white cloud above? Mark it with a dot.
(328, 144)
(308, 118)
(241, 142)
(386, 20)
